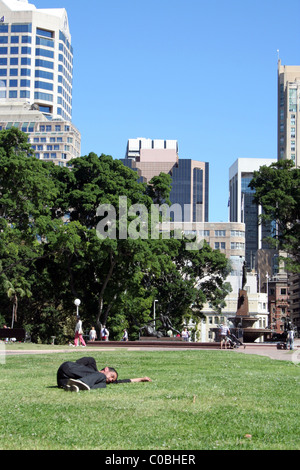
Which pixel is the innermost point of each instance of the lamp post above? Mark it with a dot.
(77, 303)
(154, 317)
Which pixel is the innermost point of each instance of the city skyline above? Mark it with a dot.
(202, 74)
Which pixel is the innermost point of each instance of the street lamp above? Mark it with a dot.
(154, 311)
(77, 303)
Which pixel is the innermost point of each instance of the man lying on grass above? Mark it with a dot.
(84, 375)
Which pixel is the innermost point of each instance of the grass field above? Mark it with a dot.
(198, 400)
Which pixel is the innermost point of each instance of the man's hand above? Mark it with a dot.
(141, 379)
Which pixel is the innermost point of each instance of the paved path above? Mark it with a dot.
(272, 351)
(268, 350)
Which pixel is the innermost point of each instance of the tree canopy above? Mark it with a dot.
(51, 251)
(277, 190)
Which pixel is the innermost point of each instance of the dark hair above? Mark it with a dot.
(111, 369)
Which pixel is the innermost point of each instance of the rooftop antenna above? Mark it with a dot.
(278, 54)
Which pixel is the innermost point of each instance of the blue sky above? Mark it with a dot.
(201, 72)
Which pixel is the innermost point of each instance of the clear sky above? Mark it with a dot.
(201, 72)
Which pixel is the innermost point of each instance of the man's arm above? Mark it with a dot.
(138, 379)
(141, 379)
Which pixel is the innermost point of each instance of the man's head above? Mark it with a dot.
(110, 373)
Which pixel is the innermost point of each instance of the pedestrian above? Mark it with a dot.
(125, 335)
(104, 334)
(185, 335)
(84, 375)
(224, 332)
(290, 339)
(92, 334)
(79, 333)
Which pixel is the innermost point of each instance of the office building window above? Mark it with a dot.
(26, 39)
(24, 94)
(44, 32)
(26, 50)
(44, 74)
(220, 233)
(292, 100)
(44, 63)
(21, 28)
(43, 85)
(44, 42)
(25, 61)
(43, 96)
(237, 246)
(44, 53)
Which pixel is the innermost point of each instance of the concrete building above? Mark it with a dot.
(36, 75)
(258, 308)
(228, 238)
(289, 113)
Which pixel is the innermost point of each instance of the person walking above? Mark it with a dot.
(92, 334)
(104, 333)
(185, 335)
(290, 339)
(224, 332)
(79, 333)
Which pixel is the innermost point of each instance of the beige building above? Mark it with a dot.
(52, 140)
(228, 237)
(258, 308)
(288, 112)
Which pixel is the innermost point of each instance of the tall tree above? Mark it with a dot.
(277, 190)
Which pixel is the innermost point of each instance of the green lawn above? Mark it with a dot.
(197, 400)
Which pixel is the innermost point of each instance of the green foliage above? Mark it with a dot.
(277, 190)
(51, 252)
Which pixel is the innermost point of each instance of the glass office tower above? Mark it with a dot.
(190, 178)
(36, 57)
(36, 75)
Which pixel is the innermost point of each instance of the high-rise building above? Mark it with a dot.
(190, 178)
(289, 148)
(242, 208)
(36, 74)
(289, 113)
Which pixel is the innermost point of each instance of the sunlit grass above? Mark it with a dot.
(197, 400)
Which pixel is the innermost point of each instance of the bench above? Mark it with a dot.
(18, 333)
